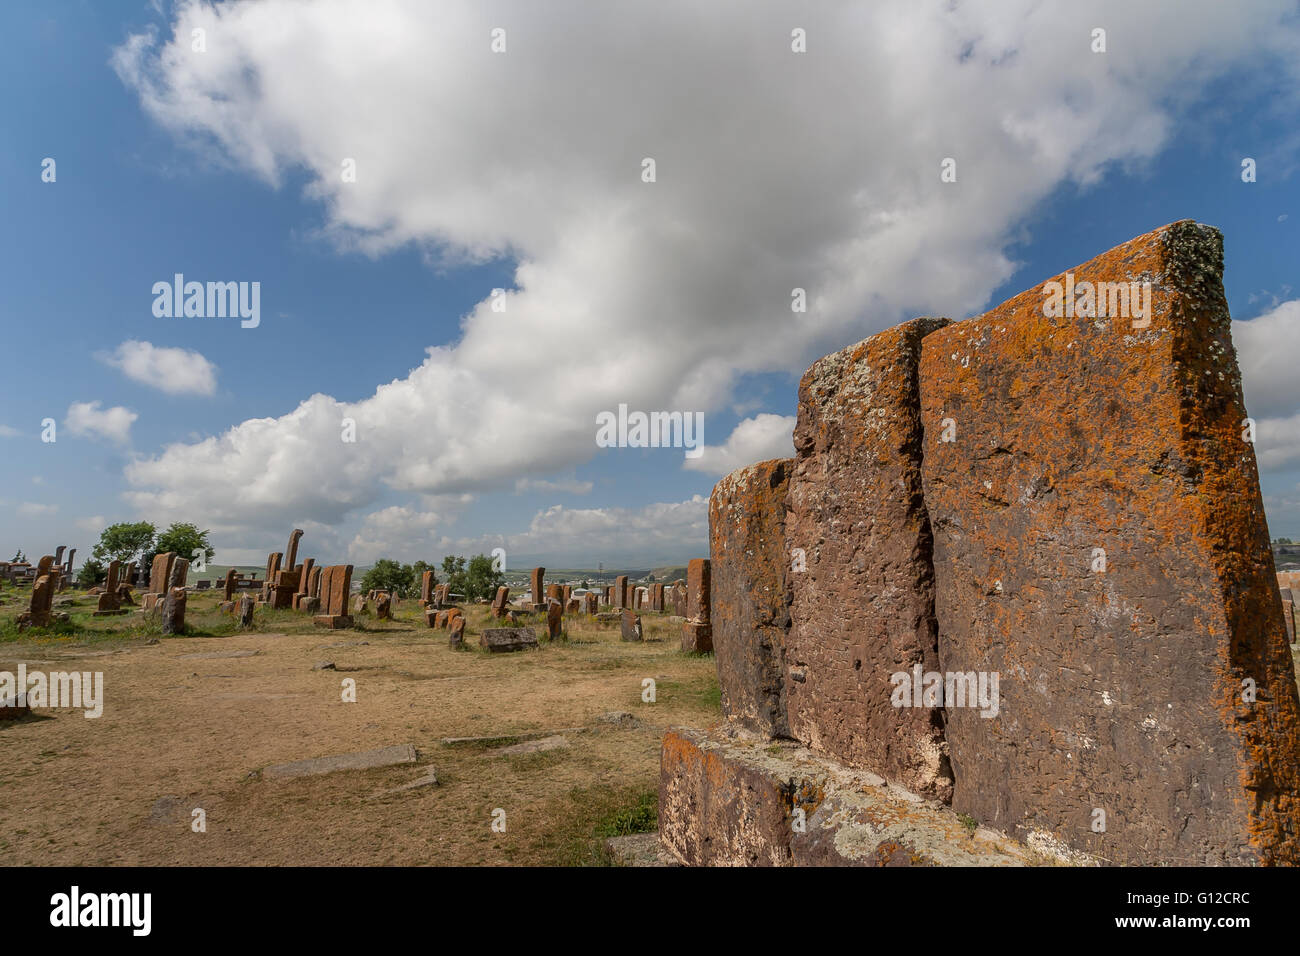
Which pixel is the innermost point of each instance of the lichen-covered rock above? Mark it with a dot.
(859, 544)
(1100, 544)
(750, 595)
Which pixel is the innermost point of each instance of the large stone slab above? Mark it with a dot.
(1100, 544)
(751, 594)
(364, 760)
(499, 640)
(863, 606)
(729, 798)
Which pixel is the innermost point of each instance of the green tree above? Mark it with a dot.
(481, 578)
(389, 575)
(126, 541)
(585, 585)
(453, 569)
(186, 540)
(92, 572)
(19, 557)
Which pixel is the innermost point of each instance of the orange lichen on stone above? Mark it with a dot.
(750, 594)
(1100, 544)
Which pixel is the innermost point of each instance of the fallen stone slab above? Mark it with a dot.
(729, 797)
(501, 738)
(362, 760)
(639, 849)
(501, 640)
(541, 745)
(429, 779)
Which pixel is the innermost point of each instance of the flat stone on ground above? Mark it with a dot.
(362, 760)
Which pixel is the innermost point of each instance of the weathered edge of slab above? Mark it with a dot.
(361, 760)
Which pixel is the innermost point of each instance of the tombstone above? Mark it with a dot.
(697, 631)
(452, 614)
(336, 587)
(304, 583)
(58, 555)
(39, 610)
(631, 626)
(539, 595)
(173, 612)
(45, 566)
(502, 640)
(554, 621)
(110, 601)
(656, 597)
(283, 583)
(272, 571)
(590, 605)
(228, 586)
(566, 594)
(500, 600)
(512, 617)
(383, 606)
(456, 633)
(554, 594)
(1100, 543)
(428, 580)
(313, 588)
(750, 594)
(440, 619)
(620, 592)
(160, 572)
(124, 589)
(608, 596)
(573, 607)
(1288, 614)
(246, 605)
(67, 567)
(678, 598)
(359, 604)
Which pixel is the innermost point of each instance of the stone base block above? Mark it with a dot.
(697, 638)
(332, 621)
(731, 798)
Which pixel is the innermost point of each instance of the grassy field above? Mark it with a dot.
(190, 722)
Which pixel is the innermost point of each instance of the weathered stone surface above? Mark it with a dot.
(504, 639)
(656, 597)
(590, 604)
(246, 605)
(428, 581)
(573, 606)
(161, 572)
(364, 760)
(554, 621)
(751, 594)
(537, 578)
(42, 601)
(383, 606)
(697, 629)
(110, 599)
(308, 604)
(554, 594)
(863, 609)
(631, 626)
(1288, 614)
(727, 798)
(500, 601)
(456, 632)
(173, 613)
(228, 585)
(639, 849)
(336, 588)
(620, 600)
(1100, 543)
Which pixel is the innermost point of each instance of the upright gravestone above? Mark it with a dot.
(536, 579)
(336, 588)
(1100, 546)
(697, 630)
(110, 602)
(500, 600)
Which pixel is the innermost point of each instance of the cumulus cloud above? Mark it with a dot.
(30, 509)
(1268, 352)
(754, 439)
(775, 170)
(570, 486)
(90, 420)
(92, 524)
(174, 371)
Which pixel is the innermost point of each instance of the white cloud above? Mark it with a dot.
(174, 371)
(1268, 352)
(92, 524)
(7, 432)
(89, 420)
(754, 439)
(775, 170)
(30, 509)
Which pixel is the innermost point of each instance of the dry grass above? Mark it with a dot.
(181, 732)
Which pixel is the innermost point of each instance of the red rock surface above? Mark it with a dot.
(863, 609)
(750, 610)
(1121, 689)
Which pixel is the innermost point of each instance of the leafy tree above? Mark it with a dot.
(186, 540)
(453, 568)
(126, 542)
(585, 585)
(482, 578)
(91, 573)
(19, 557)
(389, 575)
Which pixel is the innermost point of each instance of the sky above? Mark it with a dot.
(380, 168)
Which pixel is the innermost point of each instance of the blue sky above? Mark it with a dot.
(154, 179)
